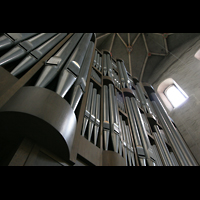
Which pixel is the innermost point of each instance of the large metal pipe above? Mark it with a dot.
(97, 62)
(160, 149)
(105, 68)
(71, 69)
(109, 66)
(97, 122)
(134, 126)
(141, 94)
(10, 39)
(95, 58)
(57, 61)
(36, 54)
(92, 113)
(127, 81)
(158, 159)
(143, 133)
(25, 47)
(164, 146)
(175, 133)
(113, 119)
(124, 139)
(121, 73)
(171, 139)
(136, 135)
(80, 84)
(106, 119)
(87, 109)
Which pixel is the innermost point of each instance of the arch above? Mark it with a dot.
(161, 91)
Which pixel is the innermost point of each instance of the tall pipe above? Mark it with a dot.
(106, 119)
(56, 62)
(87, 109)
(97, 122)
(71, 69)
(80, 84)
(36, 54)
(175, 133)
(92, 113)
(136, 135)
(25, 47)
(10, 39)
(143, 134)
(171, 139)
(113, 119)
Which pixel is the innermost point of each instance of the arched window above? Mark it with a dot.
(171, 94)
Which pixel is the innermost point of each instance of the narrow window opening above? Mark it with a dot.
(175, 95)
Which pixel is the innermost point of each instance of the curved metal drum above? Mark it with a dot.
(41, 115)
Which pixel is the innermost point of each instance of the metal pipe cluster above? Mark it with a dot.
(95, 76)
(120, 101)
(32, 45)
(111, 118)
(97, 61)
(180, 150)
(71, 62)
(123, 74)
(92, 114)
(125, 142)
(145, 103)
(140, 135)
(108, 65)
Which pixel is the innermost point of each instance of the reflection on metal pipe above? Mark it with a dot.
(92, 113)
(113, 119)
(142, 130)
(25, 47)
(37, 54)
(105, 69)
(187, 155)
(57, 61)
(10, 39)
(87, 110)
(170, 136)
(97, 122)
(106, 119)
(80, 84)
(164, 146)
(72, 68)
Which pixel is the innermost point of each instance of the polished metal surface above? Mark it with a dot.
(56, 62)
(164, 146)
(142, 130)
(92, 113)
(25, 47)
(36, 54)
(87, 110)
(80, 84)
(172, 141)
(97, 117)
(10, 39)
(73, 65)
(106, 118)
(175, 133)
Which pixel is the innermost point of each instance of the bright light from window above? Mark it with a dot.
(175, 96)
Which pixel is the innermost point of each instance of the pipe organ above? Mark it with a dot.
(63, 102)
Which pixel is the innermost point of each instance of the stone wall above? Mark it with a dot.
(184, 68)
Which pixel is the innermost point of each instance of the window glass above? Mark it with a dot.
(175, 96)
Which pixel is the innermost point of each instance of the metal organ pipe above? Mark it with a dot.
(170, 136)
(175, 133)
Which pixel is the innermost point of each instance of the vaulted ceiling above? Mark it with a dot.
(141, 52)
